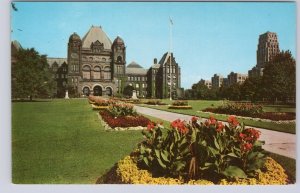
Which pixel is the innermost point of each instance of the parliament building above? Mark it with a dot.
(97, 66)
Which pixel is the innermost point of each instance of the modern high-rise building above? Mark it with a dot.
(267, 48)
(217, 81)
(234, 78)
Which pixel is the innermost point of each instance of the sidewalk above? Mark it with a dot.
(276, 142)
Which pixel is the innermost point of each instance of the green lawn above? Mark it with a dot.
(62, 142)
(202, 104)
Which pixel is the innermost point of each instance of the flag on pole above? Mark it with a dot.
(171, 21)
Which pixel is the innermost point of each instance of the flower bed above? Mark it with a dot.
(154, 102)
(128, 172)
(206, 150)
(180, 105)
(96, 107)
(203, 153)
(123, 121)
(250, 110)
(123, 117)
(265, 116)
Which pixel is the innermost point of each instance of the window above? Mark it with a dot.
(97, 72)
(119, 59)
(137, 86)
(107, 73)
(143, 85)
(86, 72)
(138, 78)
(128, 78)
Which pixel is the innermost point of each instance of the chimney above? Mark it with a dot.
(155, 60)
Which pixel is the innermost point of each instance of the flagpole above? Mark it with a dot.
(170, 52)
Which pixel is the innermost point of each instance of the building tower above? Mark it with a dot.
(268, 47)
(119, 60)
(74, 55)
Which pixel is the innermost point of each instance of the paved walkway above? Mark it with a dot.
(276, 142)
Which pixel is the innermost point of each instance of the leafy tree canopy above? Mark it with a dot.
(30, 75)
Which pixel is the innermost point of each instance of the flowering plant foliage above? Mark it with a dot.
(243, 109)
(180, 103)
(122, 109)
(154, 102)
(196, 149)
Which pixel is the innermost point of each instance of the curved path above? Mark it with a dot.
(276, 142)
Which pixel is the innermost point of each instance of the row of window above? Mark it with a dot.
(173, 70)
(96, 68)
(137, 78)
(143, 85)
(106, 75)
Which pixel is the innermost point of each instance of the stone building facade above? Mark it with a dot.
(59, 69)
(97, 66)
(267, 48)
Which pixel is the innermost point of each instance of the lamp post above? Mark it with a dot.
(170, 53)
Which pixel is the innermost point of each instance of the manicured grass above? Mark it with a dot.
(199, 105)
(63, 142)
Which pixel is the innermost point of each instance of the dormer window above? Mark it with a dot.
(97, 46)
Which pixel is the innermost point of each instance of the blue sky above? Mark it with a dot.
(208, 38)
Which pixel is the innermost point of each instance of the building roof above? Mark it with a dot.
(135, 69)
(165, 58)
(96, 33)
(133, 64)
(118, 40)
(74, 37)
(59, 61)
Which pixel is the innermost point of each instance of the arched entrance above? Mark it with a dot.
(97, 91)
(108, 91)
(86, 91)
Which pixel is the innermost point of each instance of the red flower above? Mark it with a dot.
(194, 119)
(247, 147)
(150, 126)
(212, 120)
(180, 126)
(220, 127)
(233, 121)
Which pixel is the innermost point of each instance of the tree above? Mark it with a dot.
(251, 89)
(200, 90)
(128, 90)
(31, 76)
(279, 78)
